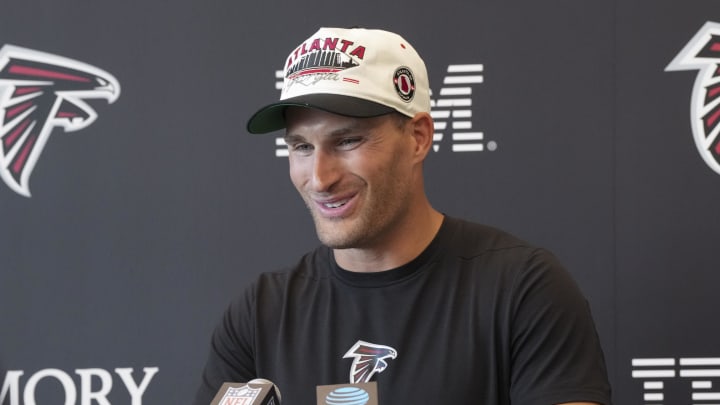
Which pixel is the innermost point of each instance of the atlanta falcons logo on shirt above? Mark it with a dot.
(368, 359)
(40, 91)
(703, 53)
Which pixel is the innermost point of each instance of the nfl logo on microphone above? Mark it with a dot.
(240, 396)
(245, 394)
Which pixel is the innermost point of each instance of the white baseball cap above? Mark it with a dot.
(355, 72)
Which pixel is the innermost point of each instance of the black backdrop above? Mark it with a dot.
(144, 224)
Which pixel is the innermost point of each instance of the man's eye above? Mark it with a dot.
(349, 142)
(300, 147)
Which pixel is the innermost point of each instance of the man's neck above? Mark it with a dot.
(400, 247)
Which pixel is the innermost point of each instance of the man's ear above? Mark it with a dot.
(423, 129)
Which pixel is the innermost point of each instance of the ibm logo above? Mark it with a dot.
(699, 371)
(451, 109)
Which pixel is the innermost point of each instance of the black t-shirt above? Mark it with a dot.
(479, 317)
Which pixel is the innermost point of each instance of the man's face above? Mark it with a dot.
(355, 174)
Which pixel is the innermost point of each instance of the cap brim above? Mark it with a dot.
(272, 117)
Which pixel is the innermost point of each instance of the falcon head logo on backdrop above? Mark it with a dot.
(703, 53)
(368, 359)
(38, 92)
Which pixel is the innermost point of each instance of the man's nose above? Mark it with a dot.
(325, 171)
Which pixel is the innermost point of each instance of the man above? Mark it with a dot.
(435, 309)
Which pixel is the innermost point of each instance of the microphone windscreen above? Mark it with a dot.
(265, 381)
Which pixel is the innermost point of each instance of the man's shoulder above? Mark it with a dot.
(488, 247)
(474, 238)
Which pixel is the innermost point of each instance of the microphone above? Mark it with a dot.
(255, 392)
(348, 394)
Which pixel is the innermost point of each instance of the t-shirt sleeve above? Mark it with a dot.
(555, 349)
(231, 357)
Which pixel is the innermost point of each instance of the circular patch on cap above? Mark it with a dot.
(404, 83)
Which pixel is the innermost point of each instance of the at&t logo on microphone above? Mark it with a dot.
(348, 394)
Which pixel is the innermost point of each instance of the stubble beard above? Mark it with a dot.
(365, 228)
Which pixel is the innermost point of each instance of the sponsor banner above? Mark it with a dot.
(87, 385)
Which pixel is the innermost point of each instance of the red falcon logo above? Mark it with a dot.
(368, 359)
(703, 53)
(38, 92)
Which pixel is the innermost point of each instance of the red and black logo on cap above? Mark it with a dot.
(404, 83)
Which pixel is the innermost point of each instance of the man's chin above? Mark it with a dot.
(331, 236)
(334, 241)
(339, 233)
